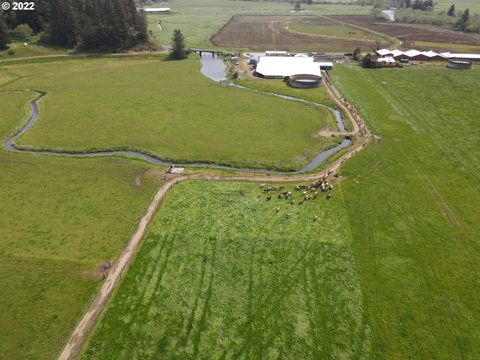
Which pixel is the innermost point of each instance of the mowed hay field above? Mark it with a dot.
(60, 219)
(167, 108)
(293, 33)
(412, 200)
(221, 274)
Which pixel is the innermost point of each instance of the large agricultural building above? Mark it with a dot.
(416, 55)
(278, 67)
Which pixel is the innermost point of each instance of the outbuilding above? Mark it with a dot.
(387, 61)
(276, 53)
(165, 10)
(462, 57)
(325, 65)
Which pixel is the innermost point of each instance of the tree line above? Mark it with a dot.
(85, 24)
(423, 5)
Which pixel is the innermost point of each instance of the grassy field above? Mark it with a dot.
(318, 95)
(412, 199)
(460, 5)
(17, 50)
(169, 109)
(59, 220)
(221, 274)
(199, 20)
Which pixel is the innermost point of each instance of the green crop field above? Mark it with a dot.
(60, 219)
(412, 199)
(169, 109)
(221, 274)
(199, 20)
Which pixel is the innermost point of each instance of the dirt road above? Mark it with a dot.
(82, 330)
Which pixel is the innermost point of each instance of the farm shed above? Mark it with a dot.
(387, 61)
(281, 66)
(276, 53)
(157, 10)
(462, 57)
(325, 65)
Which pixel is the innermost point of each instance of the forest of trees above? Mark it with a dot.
(86, 24)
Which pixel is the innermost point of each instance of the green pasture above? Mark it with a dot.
(199, 20)
(60, 219)
(18, 50)
(412, 201)
(317, 95)
(222, 274)
(169, 109)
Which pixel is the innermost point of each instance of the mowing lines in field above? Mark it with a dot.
(440, 140)
(221, 274)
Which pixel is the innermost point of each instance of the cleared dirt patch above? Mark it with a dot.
(410, 33)
(272, 32)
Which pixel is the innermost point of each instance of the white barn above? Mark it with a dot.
(282, 66)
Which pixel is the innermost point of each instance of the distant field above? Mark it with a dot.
(411, 33)
(221, 274)
(169, 109)
(326, 27)
(308, 33)
(59, 220)
(473, 5)
(199, 20)
(412, 199)
(447, 47)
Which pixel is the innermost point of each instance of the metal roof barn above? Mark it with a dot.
(157, 10)
(282, 66)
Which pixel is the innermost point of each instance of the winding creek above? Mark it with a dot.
(215, 69)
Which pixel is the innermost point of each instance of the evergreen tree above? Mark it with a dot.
(368, 61)
(141, 26)
(4, 34)
(356, 54)
(461, 24)
(178, 51)
(451, 11)
(63, 30)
